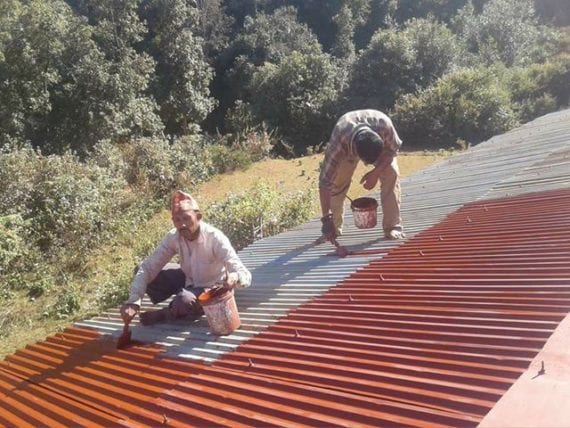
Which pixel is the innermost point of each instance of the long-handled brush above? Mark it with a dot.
(340, 250)
(125, 338)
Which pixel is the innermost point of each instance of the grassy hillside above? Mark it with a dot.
(108, 272)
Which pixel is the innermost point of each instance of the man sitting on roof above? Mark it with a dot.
(370, 136)
(206, 258)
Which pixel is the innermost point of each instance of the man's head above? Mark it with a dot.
(186, 214)
(368, 145)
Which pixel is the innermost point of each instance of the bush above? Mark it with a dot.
(13, 248)
(259, 213)
(67, 304)
(240, 150)
(110, 157)
(227, 159)
(18, 168)
(257, 142)
(67, 203)
(71, 203)
(149, 167)
(540, 88)
(470, 104)
(191, 161)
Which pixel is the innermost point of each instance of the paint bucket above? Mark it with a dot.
(221, 311)
(364, 212)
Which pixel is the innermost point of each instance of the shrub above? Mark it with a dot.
(257, 142)
(192, 160)
(540, 88)
(470, 104)
(227, 159)
(18, 168)
(149, 167)
(109, 156)
(13, 248)
(259, 213)
(71, 202)
(66, 202)
(113, 292)
(67, 304)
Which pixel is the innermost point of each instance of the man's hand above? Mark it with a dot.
(369, 180)
(328, 229)
(231, 281)
(128, 311)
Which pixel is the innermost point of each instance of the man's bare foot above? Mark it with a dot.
(395, 234)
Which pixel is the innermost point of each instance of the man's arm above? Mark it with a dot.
(147, 271)
(150, 268)
(238, 276)
(325, 198)
(392, 143)
(370, 179)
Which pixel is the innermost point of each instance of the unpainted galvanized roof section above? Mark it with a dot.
(431, 332)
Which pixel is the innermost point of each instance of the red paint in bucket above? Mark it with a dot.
(364, 212)
(221, 311)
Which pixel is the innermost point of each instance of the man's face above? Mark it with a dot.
(186, 221)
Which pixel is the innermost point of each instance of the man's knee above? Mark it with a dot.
(169, 281)
(184, 304)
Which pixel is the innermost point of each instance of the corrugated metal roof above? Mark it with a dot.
(429, 333)
(290, 269)
(432, 334)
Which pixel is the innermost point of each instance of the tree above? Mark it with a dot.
(60, 90)
(182, 76)
(238, 10)
(555, 11)
(264, 39)
(347, 16)
(344, 43)
(506, 31)
(41, 44)
(468, 105)
(214, 27)
(117, 29)
(381, 16)
(443, 10)
(297, 97)
(401, 61)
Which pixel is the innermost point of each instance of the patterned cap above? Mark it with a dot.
(182, 200)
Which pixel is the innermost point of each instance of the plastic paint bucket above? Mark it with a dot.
(221, 311)
(364, 212)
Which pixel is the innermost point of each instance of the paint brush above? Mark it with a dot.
(125, 338)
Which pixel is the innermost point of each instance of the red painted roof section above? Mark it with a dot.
(432, 334)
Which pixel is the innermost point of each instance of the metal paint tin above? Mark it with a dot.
(221, 311)
(364, 212)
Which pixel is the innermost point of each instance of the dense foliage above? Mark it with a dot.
(106, 106)
(74, 73)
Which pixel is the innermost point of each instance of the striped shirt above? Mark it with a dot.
(340, 146)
